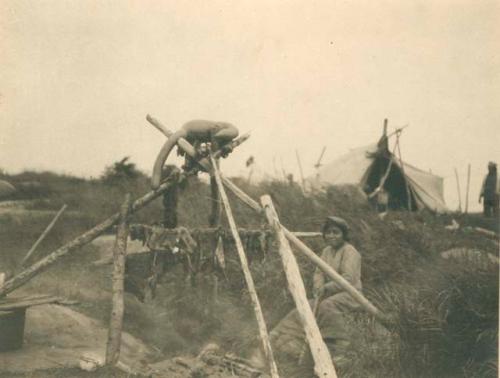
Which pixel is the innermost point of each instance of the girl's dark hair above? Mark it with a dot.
(336, 222)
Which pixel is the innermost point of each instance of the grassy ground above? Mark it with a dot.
(402, 274)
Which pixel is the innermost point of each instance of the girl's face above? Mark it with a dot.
(334, 237)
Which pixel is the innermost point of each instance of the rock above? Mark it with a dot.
(469, 255)
(453, 226)
(399, 225)
(90, 361)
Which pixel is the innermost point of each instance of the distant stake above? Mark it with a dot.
(283, 172)
(323, 365)
(266, 344)
(467, 190)
(44, 234)
(117, 305)
(458, 191)
(300, 170)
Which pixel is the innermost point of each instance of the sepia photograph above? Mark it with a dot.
(280, 188)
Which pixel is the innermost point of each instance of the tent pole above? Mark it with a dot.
(300, 170)
(467, 190)
(408, 194)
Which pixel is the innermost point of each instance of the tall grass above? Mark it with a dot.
(447, 311)
(447, 318)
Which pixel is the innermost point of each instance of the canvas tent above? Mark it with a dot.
(366, 167)
(6, 189)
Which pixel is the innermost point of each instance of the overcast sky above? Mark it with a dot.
(77, 79)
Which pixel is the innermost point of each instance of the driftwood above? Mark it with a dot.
(7, 304)
(323, 365)
(266, 344)
(242, 367)
(307, 234)
(235, 365)
(43, 235)
(486, 232)
(117, 305)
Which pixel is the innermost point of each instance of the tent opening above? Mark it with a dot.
(395, 184)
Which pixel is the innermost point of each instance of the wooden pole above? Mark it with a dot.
(323, 365)
(467, 190)
(117, 305)
(397, 131)
(318, 163)
(274, 167)
(30, 272)
(458, 191)
(250, 173)
(244, 232)
(266, 344)
(216, 211)
(408, 194)
(241, 194)
(283, 169)
(300, 170)
(43, 235)
(159, 126)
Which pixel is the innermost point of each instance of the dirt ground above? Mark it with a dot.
(61, 342)
(59, 337)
